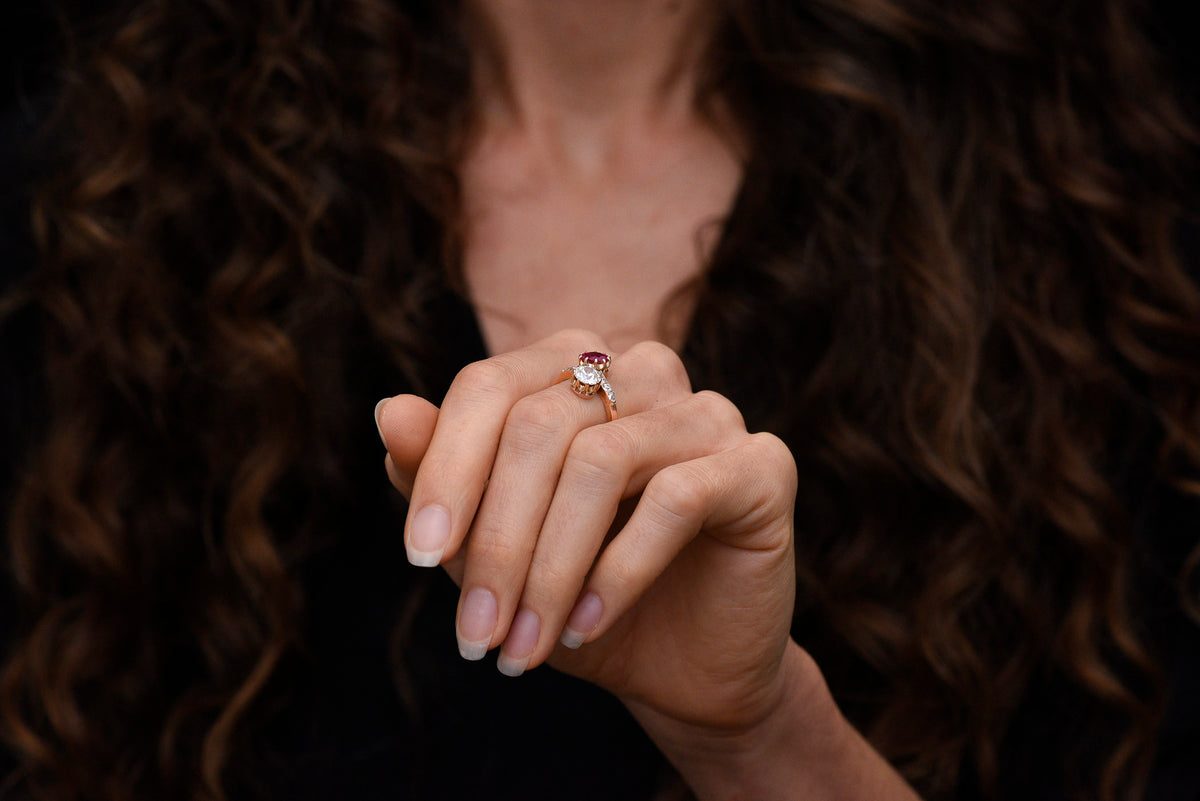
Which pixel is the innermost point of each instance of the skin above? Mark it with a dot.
(590, 167)
(651, 555)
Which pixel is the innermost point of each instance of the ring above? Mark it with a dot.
(590, 376)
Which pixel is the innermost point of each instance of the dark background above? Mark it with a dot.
(30, 43)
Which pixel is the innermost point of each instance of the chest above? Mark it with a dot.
(546, 250)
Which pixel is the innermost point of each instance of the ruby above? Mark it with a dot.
(592, 357)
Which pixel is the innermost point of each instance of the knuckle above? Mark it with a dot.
(489, 376)
(536, 419)
(681, 491)
(661, 361)
(624, 574)
(580, 339)
(547, 582)
(496, 553)
(772, 452)
(601, 452)
(720, 409)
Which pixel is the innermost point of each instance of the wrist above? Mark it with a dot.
(801, 747)
(723, 762)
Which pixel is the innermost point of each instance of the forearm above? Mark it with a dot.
(804, 750)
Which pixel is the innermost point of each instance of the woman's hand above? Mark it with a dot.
(515, 485)
(651, 555)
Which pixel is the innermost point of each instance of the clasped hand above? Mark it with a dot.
(651, 555)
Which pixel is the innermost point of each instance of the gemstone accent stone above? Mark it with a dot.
(586, 374)
(608, 390)
(594, 357)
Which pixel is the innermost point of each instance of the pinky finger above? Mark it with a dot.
(742, 498)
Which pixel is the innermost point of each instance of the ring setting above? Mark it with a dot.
(590, 377)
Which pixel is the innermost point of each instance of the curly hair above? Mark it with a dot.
(954, 249)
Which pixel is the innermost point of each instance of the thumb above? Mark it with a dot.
(406, 425)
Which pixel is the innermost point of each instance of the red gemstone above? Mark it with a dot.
(592, 357)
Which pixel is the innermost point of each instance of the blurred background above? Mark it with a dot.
(30, 42)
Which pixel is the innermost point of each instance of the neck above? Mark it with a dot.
(582, 73)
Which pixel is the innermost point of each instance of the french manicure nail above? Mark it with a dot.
(379, 418)
(518, 646)
(427, 535)
(476, 622)
(584, 618)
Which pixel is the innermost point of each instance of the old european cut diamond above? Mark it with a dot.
(586, 374)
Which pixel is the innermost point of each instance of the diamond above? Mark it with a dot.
(586, 374)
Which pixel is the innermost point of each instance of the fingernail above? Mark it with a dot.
(584, 618)
(476, 622)
(518, 646)
(379, 418)
(427, 536)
